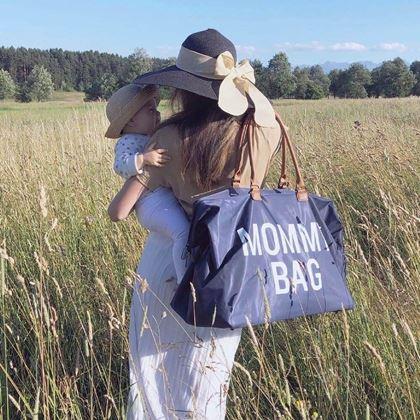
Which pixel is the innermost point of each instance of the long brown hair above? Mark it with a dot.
(208, 137)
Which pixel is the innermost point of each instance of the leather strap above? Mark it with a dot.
(255, 188)
(247, 133)
(301, 191)
(242, 142)
(283, 182)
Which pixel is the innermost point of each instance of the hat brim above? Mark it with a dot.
(175, 77)
(115, 128)
(126, 113)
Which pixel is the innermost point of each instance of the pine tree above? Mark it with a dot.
(7, 85)
(415, 69)
(317, 75)
(40, 84)
(350, 83)
(281, 81)
(23, 93)
(302, 80)
(314, 90)
(261, 76)
(311, 83)
(102, 88)
(334, 76)
(392, 79)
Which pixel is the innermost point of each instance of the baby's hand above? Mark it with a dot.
(156, 157)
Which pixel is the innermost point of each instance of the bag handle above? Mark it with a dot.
(301, 191)
(246, 134)
(255, 188)
(240, 147)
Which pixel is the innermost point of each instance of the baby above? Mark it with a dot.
(133, 115)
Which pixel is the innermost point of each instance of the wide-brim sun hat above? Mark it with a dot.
(125, 103)
(207, 66)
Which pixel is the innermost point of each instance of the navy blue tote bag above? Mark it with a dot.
(262, 255)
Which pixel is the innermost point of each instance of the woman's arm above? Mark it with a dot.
(123, 203)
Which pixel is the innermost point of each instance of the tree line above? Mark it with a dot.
(32, 74)
(393, 78)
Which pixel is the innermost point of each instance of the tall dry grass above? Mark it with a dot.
(66, 270)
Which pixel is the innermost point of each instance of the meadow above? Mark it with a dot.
(66, 270)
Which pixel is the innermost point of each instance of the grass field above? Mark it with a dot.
(66, 270)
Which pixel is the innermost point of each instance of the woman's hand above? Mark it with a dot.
(123, 203)
(155, 157)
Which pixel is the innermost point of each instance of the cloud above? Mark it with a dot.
(246, 49)
(340, 46)
(318, 46)
(392, 46)
(348, 46)
(167, 49)
(311, 46)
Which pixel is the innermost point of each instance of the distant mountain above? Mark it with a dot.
(331, 65)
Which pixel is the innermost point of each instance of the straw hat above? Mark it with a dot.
(124, 104)
(207, 65)
(210, 43)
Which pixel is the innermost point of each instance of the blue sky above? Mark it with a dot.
(308, 31)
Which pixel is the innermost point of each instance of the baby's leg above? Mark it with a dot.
(160, 211)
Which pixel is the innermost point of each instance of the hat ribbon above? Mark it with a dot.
(237, 81)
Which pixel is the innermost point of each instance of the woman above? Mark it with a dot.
(178, 370)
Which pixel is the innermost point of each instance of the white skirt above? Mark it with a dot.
(177, 371)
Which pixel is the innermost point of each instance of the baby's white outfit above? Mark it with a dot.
(156, 210)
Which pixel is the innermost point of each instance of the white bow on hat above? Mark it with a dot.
(238, 81)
